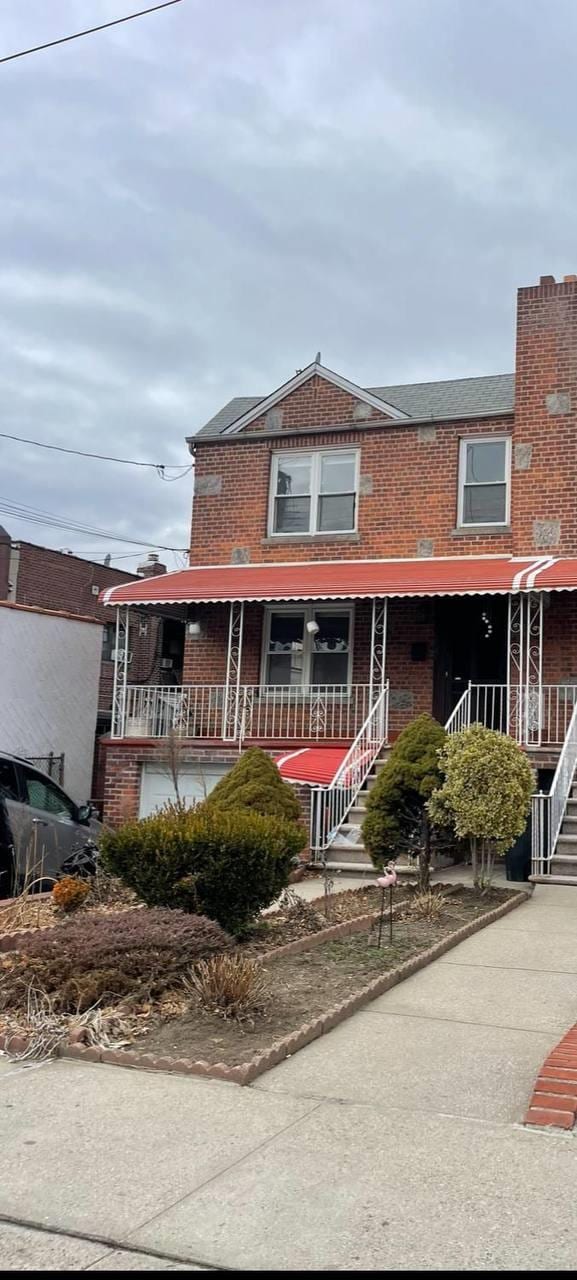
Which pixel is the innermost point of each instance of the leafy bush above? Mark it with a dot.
(230, 985)
(225, 864)
(397, 820)
(255, 783)
(70, 893)
(485, 794)
(96, 957)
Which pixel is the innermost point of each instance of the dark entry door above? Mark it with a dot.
(470, 644)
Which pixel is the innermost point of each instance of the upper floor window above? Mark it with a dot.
(484, 471)
(314, 492)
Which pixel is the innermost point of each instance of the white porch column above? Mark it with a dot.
(231, 725)
(525, 667)
(378, 662)
(121, 664)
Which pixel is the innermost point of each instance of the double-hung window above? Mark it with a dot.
(314, 492)
(307, 646)
(484, 480)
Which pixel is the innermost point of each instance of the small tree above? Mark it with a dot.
(485, 795)
(255, 783)
(397, 819)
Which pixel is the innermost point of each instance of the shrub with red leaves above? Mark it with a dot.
(96, 958)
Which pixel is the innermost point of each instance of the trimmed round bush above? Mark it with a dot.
(226, 864)
(254, 783)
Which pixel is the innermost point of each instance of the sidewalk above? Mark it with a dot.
(393, 1143)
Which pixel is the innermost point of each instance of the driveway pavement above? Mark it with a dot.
(394, 1143)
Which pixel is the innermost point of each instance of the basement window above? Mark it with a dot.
(484, 480)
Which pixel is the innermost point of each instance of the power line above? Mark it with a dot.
(89, 31)
(35, 515)
(160, 467)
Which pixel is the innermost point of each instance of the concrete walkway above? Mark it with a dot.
(391, 1144)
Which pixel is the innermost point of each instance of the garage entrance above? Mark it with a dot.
(195, 783)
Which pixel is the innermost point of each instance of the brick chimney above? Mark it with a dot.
(544, 483)
(151, 567)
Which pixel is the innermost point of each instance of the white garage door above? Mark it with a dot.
(195, 782)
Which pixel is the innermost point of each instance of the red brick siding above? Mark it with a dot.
(414, 496)
(317, 403)
(546, 365)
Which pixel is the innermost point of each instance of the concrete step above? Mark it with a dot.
(569, 842)
(356, 815)
(345, 853)
(572, 805)
(554, 879)
(569, 827)
(356, 868)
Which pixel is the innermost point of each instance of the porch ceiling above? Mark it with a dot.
(331, 580)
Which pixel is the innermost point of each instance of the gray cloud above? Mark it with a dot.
(194, 203)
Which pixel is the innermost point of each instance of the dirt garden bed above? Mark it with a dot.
(302, 987)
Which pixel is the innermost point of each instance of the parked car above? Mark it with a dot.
(43, 833)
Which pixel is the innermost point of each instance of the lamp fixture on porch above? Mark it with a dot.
(193, 630)
(313, 627)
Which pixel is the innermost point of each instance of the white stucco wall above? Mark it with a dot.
(49, 675)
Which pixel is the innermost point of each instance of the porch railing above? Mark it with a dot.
(330, 805)
(265, 712)
(548, 810)
(537, 715)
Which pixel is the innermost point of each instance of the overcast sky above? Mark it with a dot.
(194, 203)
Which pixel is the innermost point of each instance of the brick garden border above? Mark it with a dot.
(554, 1100)
(246, 1072)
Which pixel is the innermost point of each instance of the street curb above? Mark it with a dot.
(553, 1103)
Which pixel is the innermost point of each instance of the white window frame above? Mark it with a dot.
(309, 611)
(463, 445)
(316, 456)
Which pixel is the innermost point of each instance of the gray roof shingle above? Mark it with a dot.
(457, 398)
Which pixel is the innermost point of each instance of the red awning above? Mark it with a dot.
(330, 580)
(557, 575)
(313, 765)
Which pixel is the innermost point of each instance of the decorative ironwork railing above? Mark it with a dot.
(330, 805)
(230, 713)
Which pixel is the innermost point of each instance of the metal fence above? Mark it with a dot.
(51, 764)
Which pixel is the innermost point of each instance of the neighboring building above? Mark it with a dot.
(373, 553)
(49, 677)
(58, 580)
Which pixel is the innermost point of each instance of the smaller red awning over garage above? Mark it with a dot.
(331, 580)
(313, 765)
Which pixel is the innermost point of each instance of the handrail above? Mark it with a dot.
(460, 717)
(548, 810)
(330, 805)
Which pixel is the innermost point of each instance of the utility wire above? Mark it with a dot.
(160, 467)
(89, 31)
(37, 516)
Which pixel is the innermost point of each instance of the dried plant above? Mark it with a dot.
(15, 914)
(300, 911)
(45, 1029)
(70, 893)
(427, 906)
(230, 985)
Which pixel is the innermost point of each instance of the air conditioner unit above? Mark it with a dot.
(117, 655)
(166, 664)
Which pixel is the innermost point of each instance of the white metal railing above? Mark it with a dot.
(548, 811)
(538, 715)
(330, 805)
(265, 712)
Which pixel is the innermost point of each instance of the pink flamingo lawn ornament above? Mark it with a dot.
(388, 881)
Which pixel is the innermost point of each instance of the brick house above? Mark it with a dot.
(58, 581)
(361, 555)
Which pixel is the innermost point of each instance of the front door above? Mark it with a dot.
(470, 645)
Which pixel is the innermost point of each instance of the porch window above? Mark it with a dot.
(297, 654)
(484, 469)
(314, 492)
